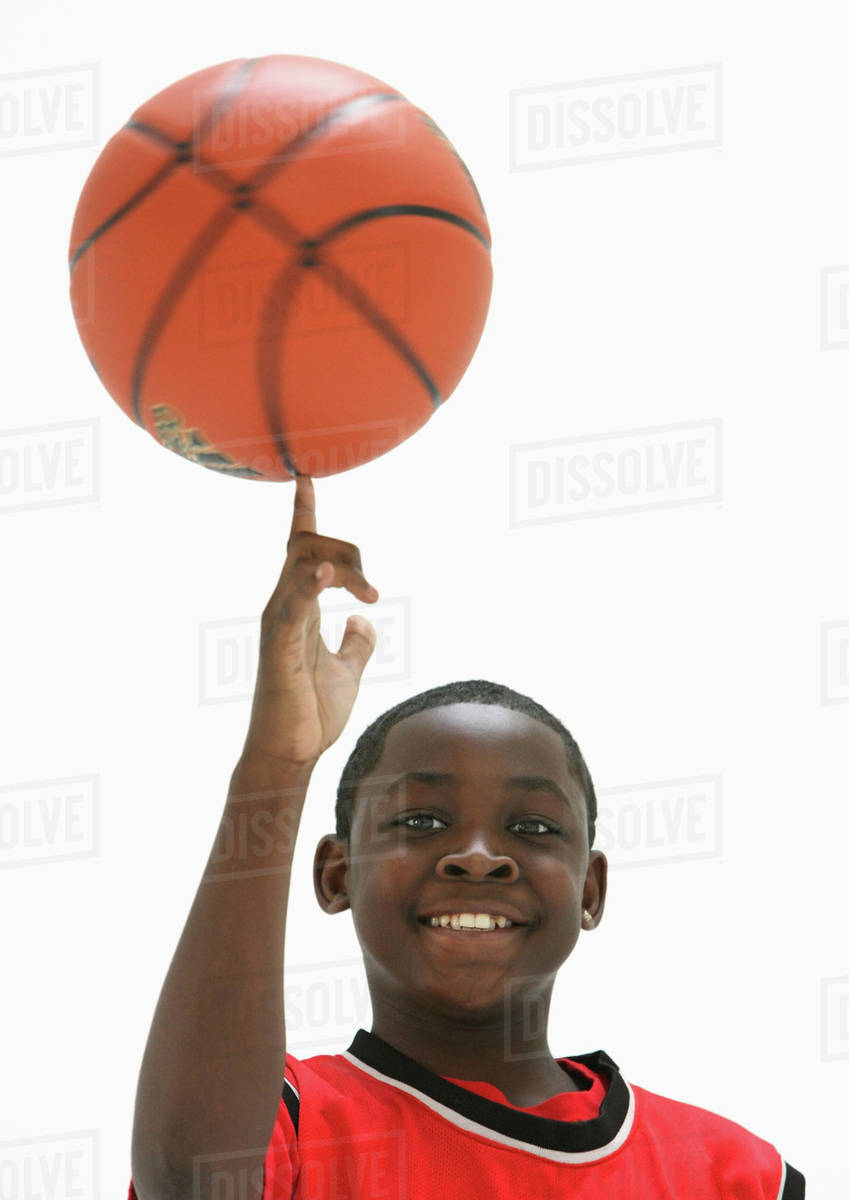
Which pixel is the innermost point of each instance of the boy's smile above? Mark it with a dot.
(472, 809)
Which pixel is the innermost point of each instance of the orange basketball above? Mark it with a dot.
(280, 265)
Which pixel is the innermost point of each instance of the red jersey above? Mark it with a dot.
(374, 1124)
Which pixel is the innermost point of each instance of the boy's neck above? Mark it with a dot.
(527, 1077)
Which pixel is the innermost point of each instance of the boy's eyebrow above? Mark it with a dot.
(534, 782)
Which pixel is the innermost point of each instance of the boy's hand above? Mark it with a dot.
(304, 694)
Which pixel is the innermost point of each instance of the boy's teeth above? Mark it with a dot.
(471, 921)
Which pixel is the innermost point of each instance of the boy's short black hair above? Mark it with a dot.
(366, 753)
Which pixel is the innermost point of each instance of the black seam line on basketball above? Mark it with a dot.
(170, 294)
(145, 190)
(401, 210)
(156, 135)
(225, 100)
(358, 299)
(283, 229)
(291, 149)
(269, 352)
(206, 124)
(278, 225)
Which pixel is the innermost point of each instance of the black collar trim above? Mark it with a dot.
(561, 1141)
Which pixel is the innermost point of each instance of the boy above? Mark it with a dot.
(465, 820)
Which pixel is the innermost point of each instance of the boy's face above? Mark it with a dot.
(480, 844)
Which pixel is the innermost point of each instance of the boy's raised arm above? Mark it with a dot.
(212, 1072)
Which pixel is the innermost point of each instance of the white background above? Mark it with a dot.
(677, 643)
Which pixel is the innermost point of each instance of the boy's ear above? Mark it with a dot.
(330, 873)
(595, 886)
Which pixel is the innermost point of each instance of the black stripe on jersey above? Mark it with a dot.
(292, 1101)
(570, 1137)
(794, 1185)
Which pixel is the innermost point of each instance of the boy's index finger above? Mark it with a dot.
(303, 516)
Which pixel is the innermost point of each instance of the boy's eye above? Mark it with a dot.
(424, 816)
(418, 817)
(546, 827)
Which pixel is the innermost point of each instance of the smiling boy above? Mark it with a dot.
(465, 819)
(472, 808)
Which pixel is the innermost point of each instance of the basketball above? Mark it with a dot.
(279, 265)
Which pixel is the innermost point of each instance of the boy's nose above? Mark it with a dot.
(478, 863)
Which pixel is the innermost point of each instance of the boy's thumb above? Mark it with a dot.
(358, 643)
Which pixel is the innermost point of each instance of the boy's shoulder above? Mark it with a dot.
(672, 1113)
(680, 1129)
